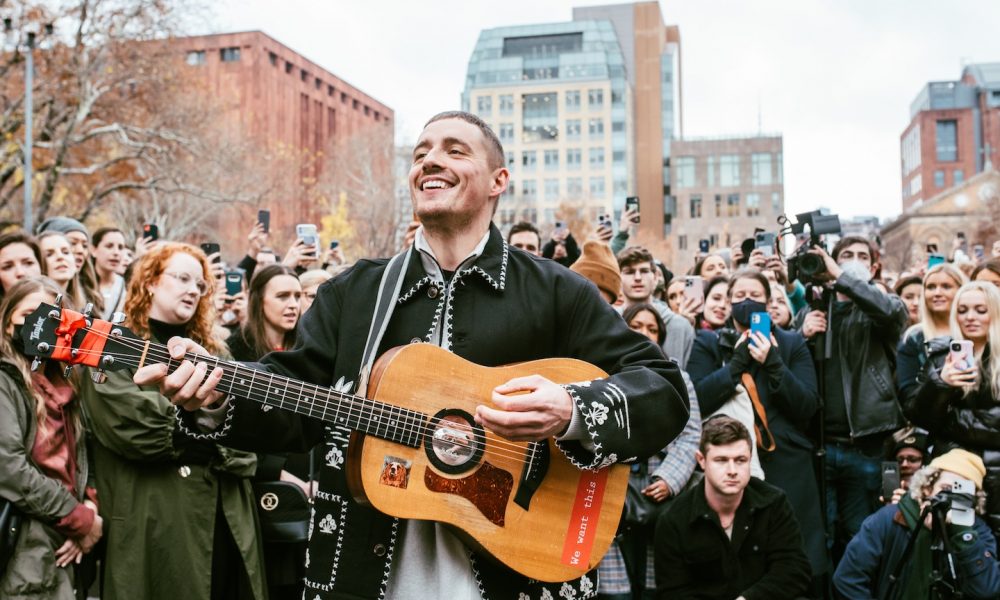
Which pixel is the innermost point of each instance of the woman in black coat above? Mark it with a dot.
(782, 369)
(958, 405)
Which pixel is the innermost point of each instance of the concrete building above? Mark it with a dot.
(564, 99)
(725, 188)
(954, 133)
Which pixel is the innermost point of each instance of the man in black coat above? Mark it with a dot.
(467, 291)
(733, 536)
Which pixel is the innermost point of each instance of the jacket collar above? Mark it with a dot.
(756, 495)
(488, 262)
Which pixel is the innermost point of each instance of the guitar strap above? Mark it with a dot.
(388, 293)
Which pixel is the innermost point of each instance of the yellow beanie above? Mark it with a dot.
(964, 463)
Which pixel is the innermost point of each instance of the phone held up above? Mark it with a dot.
(264, 218)
(962, 355)
(890, 479)
(760, 322)
(694, 288)
(309, 236)
(234, 282)
(703, 246)
(150, 232)
(210, 248)
(632, 202)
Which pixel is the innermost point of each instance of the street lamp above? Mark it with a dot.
(28, 44)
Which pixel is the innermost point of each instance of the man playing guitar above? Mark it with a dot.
(467, 291)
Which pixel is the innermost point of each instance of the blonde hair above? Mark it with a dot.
(139, 299)
(314, 277)
(992, 295)
(926, 322)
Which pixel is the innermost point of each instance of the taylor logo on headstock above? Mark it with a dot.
(36, 330)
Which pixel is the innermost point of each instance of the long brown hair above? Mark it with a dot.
(74, 289)
(139, 299)
(254, 330)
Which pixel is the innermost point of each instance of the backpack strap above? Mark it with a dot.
(388, 293)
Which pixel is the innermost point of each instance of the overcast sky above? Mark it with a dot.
(836, 78)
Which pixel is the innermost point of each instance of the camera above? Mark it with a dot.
(804, 266)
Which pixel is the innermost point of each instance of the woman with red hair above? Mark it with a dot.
(180, 512)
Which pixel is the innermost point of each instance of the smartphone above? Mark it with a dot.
(560, 228)
(747, 247)
(334, 244)
(760, 322)
(935, 259)
(150, 232)
(264, 218)
(765, 243)
(694, 288)
(633, 202)
(931, 248)
(962, 354)
(210, 248)
(979, 251)
(602, 221)
(307, 233)
(234, 282)
(963, 495)
(890, 479)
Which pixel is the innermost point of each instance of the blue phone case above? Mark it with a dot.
(760, 322)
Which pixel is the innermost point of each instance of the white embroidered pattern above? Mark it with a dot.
(334, 458)
(218, 434)
(597, 414)
(567, 591)
(388, 559)
(413, 290)
(328, 525)
(586, 585)
(546, 595)
(597, 461)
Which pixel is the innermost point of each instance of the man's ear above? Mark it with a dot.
(700, 458)
(501, 178)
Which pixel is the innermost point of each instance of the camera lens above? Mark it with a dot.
(956, 347)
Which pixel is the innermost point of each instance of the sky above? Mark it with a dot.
(835, 77)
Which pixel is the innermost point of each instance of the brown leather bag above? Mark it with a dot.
(760, 425)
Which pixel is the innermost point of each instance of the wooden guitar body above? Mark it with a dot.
(522, 503)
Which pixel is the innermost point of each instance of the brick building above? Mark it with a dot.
(954, 133)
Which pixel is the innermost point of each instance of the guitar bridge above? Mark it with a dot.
(536, 466)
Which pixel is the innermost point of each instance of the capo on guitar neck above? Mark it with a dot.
(88, 351)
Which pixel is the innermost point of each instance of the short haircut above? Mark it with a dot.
(850, 240)
(493, 145)
(523, 226)
(721, 431)
(634, 255)
(749, 273)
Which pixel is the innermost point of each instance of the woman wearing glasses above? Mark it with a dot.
(179, 512)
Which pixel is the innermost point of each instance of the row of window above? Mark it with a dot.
(571, 101)
(731, 206)
(232, 54)
(528, 189)
(550, 159)
(549, 131)
(724, 170)
(957, 177)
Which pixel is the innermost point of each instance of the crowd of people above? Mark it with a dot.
(825, 453)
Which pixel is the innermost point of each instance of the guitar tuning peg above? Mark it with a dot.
(35, 364)
(68, 371)
(98, 376)
(89, 308)
(59, 299)
(118, 318)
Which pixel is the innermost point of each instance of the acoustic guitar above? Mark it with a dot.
(416, 451)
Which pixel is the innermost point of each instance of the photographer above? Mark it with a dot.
(857, 359)
(880, 549)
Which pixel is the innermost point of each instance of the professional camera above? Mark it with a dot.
(804, 266)
(959, 503)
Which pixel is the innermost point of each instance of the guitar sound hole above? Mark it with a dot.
(456, 442)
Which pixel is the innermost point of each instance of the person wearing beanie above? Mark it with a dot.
(79, 240)
(599, 265)
(874, 554)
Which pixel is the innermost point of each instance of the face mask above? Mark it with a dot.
(743, 309)
(855, 269)
(16, 340)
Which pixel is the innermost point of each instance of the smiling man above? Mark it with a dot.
(464, 290)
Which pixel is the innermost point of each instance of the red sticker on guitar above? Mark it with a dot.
(583, 522)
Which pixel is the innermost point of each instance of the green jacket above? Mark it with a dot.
(32, 572)
(160, 494)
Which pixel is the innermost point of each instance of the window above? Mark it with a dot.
(551, 189)
(572, 99)
(618, 157)
(506, 104)
(760, 168)
(289, 68)
(682, 242)
(510, 159)
(551, 158)
(618, 127)
(685, 172)
(573, 129)
(304, 75)
(529, 189)
(573, 158)
(696, 207)
(506, 132)
(596, 157)
(597, 187)
(776, 207)
(718, 205)
(529, 160)
(540, 116)
(574, 187)
(596, 128)
(484, 106)
(753, 205)
(947, 141)
(550, 215)
(729, 170)
(939, 178)
(595, 99)
(957, 176)
(231, 54)
(272, 58)
(318, 83)
(196, 58)
(710, 171)
(734, 205)
(329, 90)
(620, 187)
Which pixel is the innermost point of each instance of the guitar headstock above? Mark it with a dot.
(56, 333)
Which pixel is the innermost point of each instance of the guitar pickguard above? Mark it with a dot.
(488, 489)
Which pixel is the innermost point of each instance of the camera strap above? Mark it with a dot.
(760, 425)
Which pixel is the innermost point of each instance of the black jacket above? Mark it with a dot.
(867, 338)
(506, 307)
(764, 560)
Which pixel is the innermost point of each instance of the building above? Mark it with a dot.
(283, 101)
(564, 99)
(954, 133)
(725, 188)
(972, 208)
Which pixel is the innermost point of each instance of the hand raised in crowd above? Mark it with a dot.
(833, 270)
(190, 386)
(956, 377)
(602, 234)
(658, 490)
(735, 255)
(758, 260)
(814, 323)
(761, 346)
(256, 240)
(630, 216)
(335, 256)
(216, 267)
(690, 308)
(144, 245)
(543, 412)
(299, 254)
(559, 251)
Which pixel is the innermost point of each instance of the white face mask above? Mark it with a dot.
(855, 269)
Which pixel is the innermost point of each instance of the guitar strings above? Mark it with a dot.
(499, 446)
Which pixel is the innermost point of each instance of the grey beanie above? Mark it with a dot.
(62, 225)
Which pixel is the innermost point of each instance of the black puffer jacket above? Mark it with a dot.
(955, 419)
